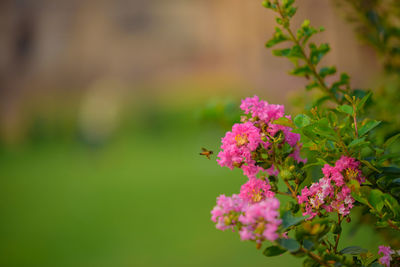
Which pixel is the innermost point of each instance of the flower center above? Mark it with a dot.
(351, 174)
(241, 139)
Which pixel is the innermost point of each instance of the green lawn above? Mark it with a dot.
(144, 199)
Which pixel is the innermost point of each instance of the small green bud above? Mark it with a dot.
(286, 174)
(336, 229)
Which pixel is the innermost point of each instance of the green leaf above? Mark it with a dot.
(368, 127)
(369, 165)
(289, 244)
(395, 191)
(278, 37)
(308, 244)
(284, 121)
(325, 71)
(392, 203)
(301, 71)
(359, 198)
(363, 100)
(357, 142)
(391, 170)
(281, 52)
(274, 251)
(288, 219)
(375, 264)
(353, 250)
(391, 140)
(345, 109)
(317, 53)
(375, 198)
(301, 120)
(312, 85)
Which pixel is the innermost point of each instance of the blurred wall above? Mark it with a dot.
(62, 48)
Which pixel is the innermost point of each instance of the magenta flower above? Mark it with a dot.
(331, 192)
(255, 190)
(387, 255)
(261, 109)
(237, 147)
(227, 210)
(260, 221)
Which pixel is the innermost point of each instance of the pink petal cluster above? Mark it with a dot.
(238, 144)
(255, 211)
(261, 221)
(226, 210)
(255, 190)
(387, 255)
(261, 109)
(331, 192)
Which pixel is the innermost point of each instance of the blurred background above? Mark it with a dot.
(104, 108)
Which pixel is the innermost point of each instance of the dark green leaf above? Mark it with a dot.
(362, 102)
(375, 198)
(274, 251)
(301, 71)
(345, 109)
(288, 219)
(353, 250)
(289, 244)
(368, 127)
(281, 52)
(395, 191)
(357, 142)
(325, 71)
(307, 244)
(375, 264)
(391, 140)
(301, 120)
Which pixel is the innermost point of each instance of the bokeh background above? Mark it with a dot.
(104, 107)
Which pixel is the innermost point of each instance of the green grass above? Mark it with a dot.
(141, 200)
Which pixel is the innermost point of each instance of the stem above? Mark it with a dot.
(355, 119)
(390, 222)
(338, 235)
(319, 79)
(315, 257)
(291, 189)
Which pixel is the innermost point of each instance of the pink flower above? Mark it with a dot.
(261, 109)
(255, 190)
(387, 255)
(261, 220)
(331, 192)
(237, 147)
(227, 210)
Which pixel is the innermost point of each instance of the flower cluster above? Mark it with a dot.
(331, 192)
(227, 211)
(387, 255)
(239, 146)
(254, 211)
(255, 190)
(261, 221)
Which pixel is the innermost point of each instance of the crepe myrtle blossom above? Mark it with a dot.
(227, 211)
(240, 144)
(261, 110)
(261, 221)
(331, 192)
(255, 190)
(256, 221)
(387, 255)
(237, 147)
